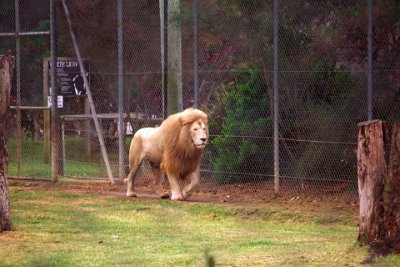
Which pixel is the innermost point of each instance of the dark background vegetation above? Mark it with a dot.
(322, 74)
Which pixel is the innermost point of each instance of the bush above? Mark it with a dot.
(333, 119)
(242, 151)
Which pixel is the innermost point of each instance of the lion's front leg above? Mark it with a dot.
(176, 193)
(194, 179)
(130, 192)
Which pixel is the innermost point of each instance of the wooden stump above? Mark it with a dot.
(392, 195)
(6, 67)
(5, 223)
(372, 136)
(379, 222)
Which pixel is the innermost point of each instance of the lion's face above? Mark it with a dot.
(199, 133)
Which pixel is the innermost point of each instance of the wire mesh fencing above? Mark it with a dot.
(322, 53)
(24, 34)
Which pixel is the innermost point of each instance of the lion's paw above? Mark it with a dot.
(131, 194)
(186, 194)
(177, 197)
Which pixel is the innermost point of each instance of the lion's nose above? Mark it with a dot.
(203, 139)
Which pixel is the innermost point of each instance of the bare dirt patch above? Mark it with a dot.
(235, 194)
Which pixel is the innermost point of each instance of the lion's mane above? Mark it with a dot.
(180, 156)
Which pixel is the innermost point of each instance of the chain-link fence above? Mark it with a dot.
(321, 79)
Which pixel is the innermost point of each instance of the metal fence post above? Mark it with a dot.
(276, 98)
(120, 93)
(18, 81)
(53, 92)
(196, 51)
(164, 55)
(369, 64)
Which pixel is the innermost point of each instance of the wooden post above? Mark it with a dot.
(6, 68)
(371, 165)
(63, 159)
(392, 196)
(88, 133)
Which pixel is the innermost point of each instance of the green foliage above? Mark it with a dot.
(332, 103)
(216, 110)
(334, 161)
(330, 85)
(247, 121)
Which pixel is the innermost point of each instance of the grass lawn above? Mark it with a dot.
(66, 228)
(77, 163)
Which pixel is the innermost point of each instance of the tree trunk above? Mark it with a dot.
(372, 136)
(392, 196)
(6, 67)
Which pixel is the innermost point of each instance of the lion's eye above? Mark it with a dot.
(195, 129)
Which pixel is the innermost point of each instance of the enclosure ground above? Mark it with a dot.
(261, 198)
(77, 223)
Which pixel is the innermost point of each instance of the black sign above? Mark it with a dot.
(69, 79)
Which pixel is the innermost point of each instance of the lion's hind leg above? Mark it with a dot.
(134, 164)
(130, 188)
(130, 180)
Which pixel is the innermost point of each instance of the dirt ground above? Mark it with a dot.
(231, 194)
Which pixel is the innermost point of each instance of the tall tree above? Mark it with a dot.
(6, 68)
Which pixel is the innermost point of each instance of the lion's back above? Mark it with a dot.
(147, 141)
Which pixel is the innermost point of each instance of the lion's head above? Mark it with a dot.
(199, 134)
(194, 131)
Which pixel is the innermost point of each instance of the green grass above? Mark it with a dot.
(57, 228)
(77, 164)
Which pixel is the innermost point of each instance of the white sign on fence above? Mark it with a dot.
(60, 101)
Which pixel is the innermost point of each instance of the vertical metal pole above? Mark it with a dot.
(369, 64)
(196, 51)
(18, 81)
(120, 92)
(53, 92)
(276, 98)
(165, 70)
(46, 113)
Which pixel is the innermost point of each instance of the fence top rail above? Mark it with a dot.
(30, 107)
(13, 34)
(134, 116)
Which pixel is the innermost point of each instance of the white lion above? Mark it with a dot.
(175, 148)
